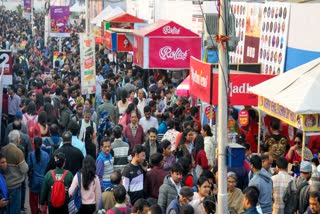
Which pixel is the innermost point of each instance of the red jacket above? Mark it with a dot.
(138, 139)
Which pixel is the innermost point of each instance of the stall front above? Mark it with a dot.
(117, 30)
(165, 45)
(292, 97)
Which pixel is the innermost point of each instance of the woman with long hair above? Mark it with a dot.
(90, 146)
(90, 186)
(185, 146)
(125, 119)
(209, 144)
(199, 156)
(51, 114)
(168, 157)
(43, 126)
(37, 161)
(123, 103)
(31, 113)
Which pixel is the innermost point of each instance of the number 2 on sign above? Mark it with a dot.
(4, 60)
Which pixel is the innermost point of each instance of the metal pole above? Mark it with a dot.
(87, 17)
(222, 113)
(303, 144)
(259, 131)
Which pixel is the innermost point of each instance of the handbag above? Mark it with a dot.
(74, 204)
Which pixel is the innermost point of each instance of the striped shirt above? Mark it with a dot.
(132, 180)
(280, 183)
(120, 152)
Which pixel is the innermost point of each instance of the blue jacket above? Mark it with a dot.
(37, 170)
(174, 205)
(251, 210)
(262, 180)
(104, 168)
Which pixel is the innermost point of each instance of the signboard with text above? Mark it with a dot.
(6, 66)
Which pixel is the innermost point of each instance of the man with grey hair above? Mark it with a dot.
(73, 154)
(16, 171)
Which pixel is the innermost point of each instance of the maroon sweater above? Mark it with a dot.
(138, 139)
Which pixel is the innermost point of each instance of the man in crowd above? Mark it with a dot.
(16, 171)
(185, 197)
(133, 174)
(262, 181)
(314, 203)
(120, 149)
(75, 156)
(171, 187)
(250, 200)
(104, 164)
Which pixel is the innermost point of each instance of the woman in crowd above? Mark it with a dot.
(199, 156)
(88, 106)
(203, 192)
(31, 113)
(51, 114)
(186, 145)
(123, 103)
(209, 144)
(235, 196)
(295, 152)
(90, 146)
(168, 157)
(43, 126)
(173, 131)
(89, 187)
(37, 162)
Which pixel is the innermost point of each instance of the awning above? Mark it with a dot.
(184, 88)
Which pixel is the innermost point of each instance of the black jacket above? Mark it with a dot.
(74, 158)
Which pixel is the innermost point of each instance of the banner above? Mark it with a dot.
(27, 9)
(6, 65)
(200, 79)
(88, 66)
(59, 21)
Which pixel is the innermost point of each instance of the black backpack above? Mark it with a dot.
(291, 197)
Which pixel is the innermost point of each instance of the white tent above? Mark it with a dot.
(107, 13)
(77, 8)
(296, 89)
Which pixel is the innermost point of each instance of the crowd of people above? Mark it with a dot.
(133, 146)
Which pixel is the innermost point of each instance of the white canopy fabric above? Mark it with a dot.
(107, 13)
(297, 89)
(77, 8)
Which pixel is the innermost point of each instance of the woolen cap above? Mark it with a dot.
(305, 166)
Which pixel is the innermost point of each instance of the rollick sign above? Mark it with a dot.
(168, 53)
(168, 30)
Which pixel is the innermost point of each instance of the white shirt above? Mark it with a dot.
(147, 124)
(83, 128)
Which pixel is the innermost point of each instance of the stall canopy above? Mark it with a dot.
(106, 14)
(184, 88)
(239, 84)
(77, 8)
(165, 45)
(292, 96)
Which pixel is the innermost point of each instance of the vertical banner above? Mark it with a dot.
(27, 9)
(239, 11)
(59, 21)
(46, 29)
(1, 96)
(88, 66)
(274, 37)
(6, 66)
(253, 31)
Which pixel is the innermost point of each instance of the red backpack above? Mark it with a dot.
(58, 190)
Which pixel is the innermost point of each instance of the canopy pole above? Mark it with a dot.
(259, 131)
(303, 144)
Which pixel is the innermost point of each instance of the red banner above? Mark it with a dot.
(123, 43)
(200, 79)
(173, 52)
(238, 88)
(108, 39)
(138, 49)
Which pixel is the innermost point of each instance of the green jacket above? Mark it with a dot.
(45, 195)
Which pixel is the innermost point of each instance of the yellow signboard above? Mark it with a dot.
(308, 122)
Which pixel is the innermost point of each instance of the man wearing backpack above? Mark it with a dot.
(86, 122)
(55, 185)
(296, 196)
